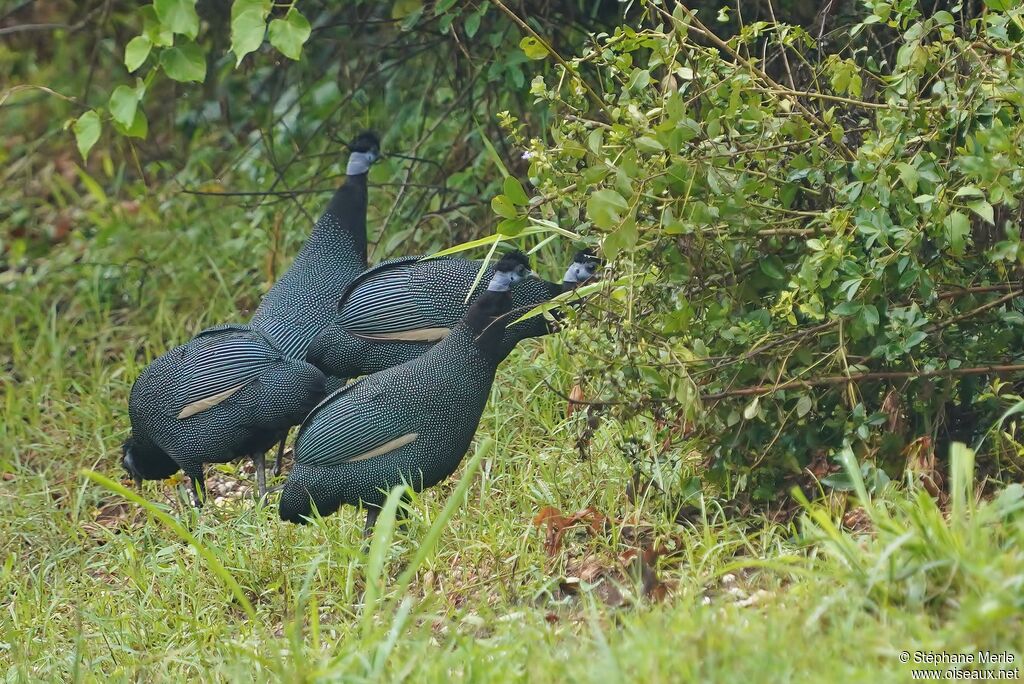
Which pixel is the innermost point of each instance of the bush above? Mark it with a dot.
(821, 257)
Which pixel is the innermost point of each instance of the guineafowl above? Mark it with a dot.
(303, 301)
(399, 309)
(583, 267)
(227, 393)
(410, 423)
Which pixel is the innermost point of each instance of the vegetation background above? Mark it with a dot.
(743, 459)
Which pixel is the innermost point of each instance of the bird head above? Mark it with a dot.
(364, 150)
(583, 267)
(496, 301)
(509, 270)
(146, 464)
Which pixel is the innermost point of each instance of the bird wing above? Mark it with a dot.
(220, 362)
(359, 422)
(393, 301)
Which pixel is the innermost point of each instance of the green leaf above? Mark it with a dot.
(999, 5)
(649, 145)
(533, 48)
(513, 226)
(803, 405)
(87, 131)
(514, 191)
(139, 127)
(847, 308)
(751, 409)
(969, 191)
(908, 176)
(178, 16)
(248, 24)
(442, 6)
(472, 24)
(288, 35)
(984, 210)
(622, 239)
(957, 227)
(403, 8)
(502, 206)
(772, 267)
(606, 208)
(122, 104)
(158, 34)
(184, 63)
(136, 51)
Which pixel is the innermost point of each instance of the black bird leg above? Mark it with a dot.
(372, 512)
(280, 455)
(260, 461)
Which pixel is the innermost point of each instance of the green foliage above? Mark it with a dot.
(87, 130)
(289, 34)
(863, 219)
(739, 226)
(248, 25)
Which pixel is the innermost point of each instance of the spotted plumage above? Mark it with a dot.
(303, 301)
(226, 394)
(398, 309)
(233, 391)
(410, 423)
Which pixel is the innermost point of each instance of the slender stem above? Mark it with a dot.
(759, 390)
(974, 312)
(594, 99)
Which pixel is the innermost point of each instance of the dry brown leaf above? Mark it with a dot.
(892, 407)
(557, 523)
(575, 402)
(920, 457)
(857, 520)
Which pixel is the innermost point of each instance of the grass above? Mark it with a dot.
(95, 586)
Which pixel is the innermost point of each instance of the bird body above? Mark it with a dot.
(235, 390)
(398, 309)
(410, 423)
(227, 393)
(302, 302)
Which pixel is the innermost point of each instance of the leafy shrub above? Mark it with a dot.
(822, 257)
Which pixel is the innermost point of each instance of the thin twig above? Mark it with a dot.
(760, 390)
(594, 99)
(974, 312)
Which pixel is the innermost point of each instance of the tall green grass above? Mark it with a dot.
(94, 586)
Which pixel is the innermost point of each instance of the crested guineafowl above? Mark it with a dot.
(410, 423)
(233, 391)
(400, 308)
(303, 301)
(583, 267)
(226, 394)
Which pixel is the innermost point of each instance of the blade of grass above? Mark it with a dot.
(429, 543)
(179, 529)
(383, 532)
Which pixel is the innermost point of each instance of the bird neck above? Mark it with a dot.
(485, 323)
(348, 209)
